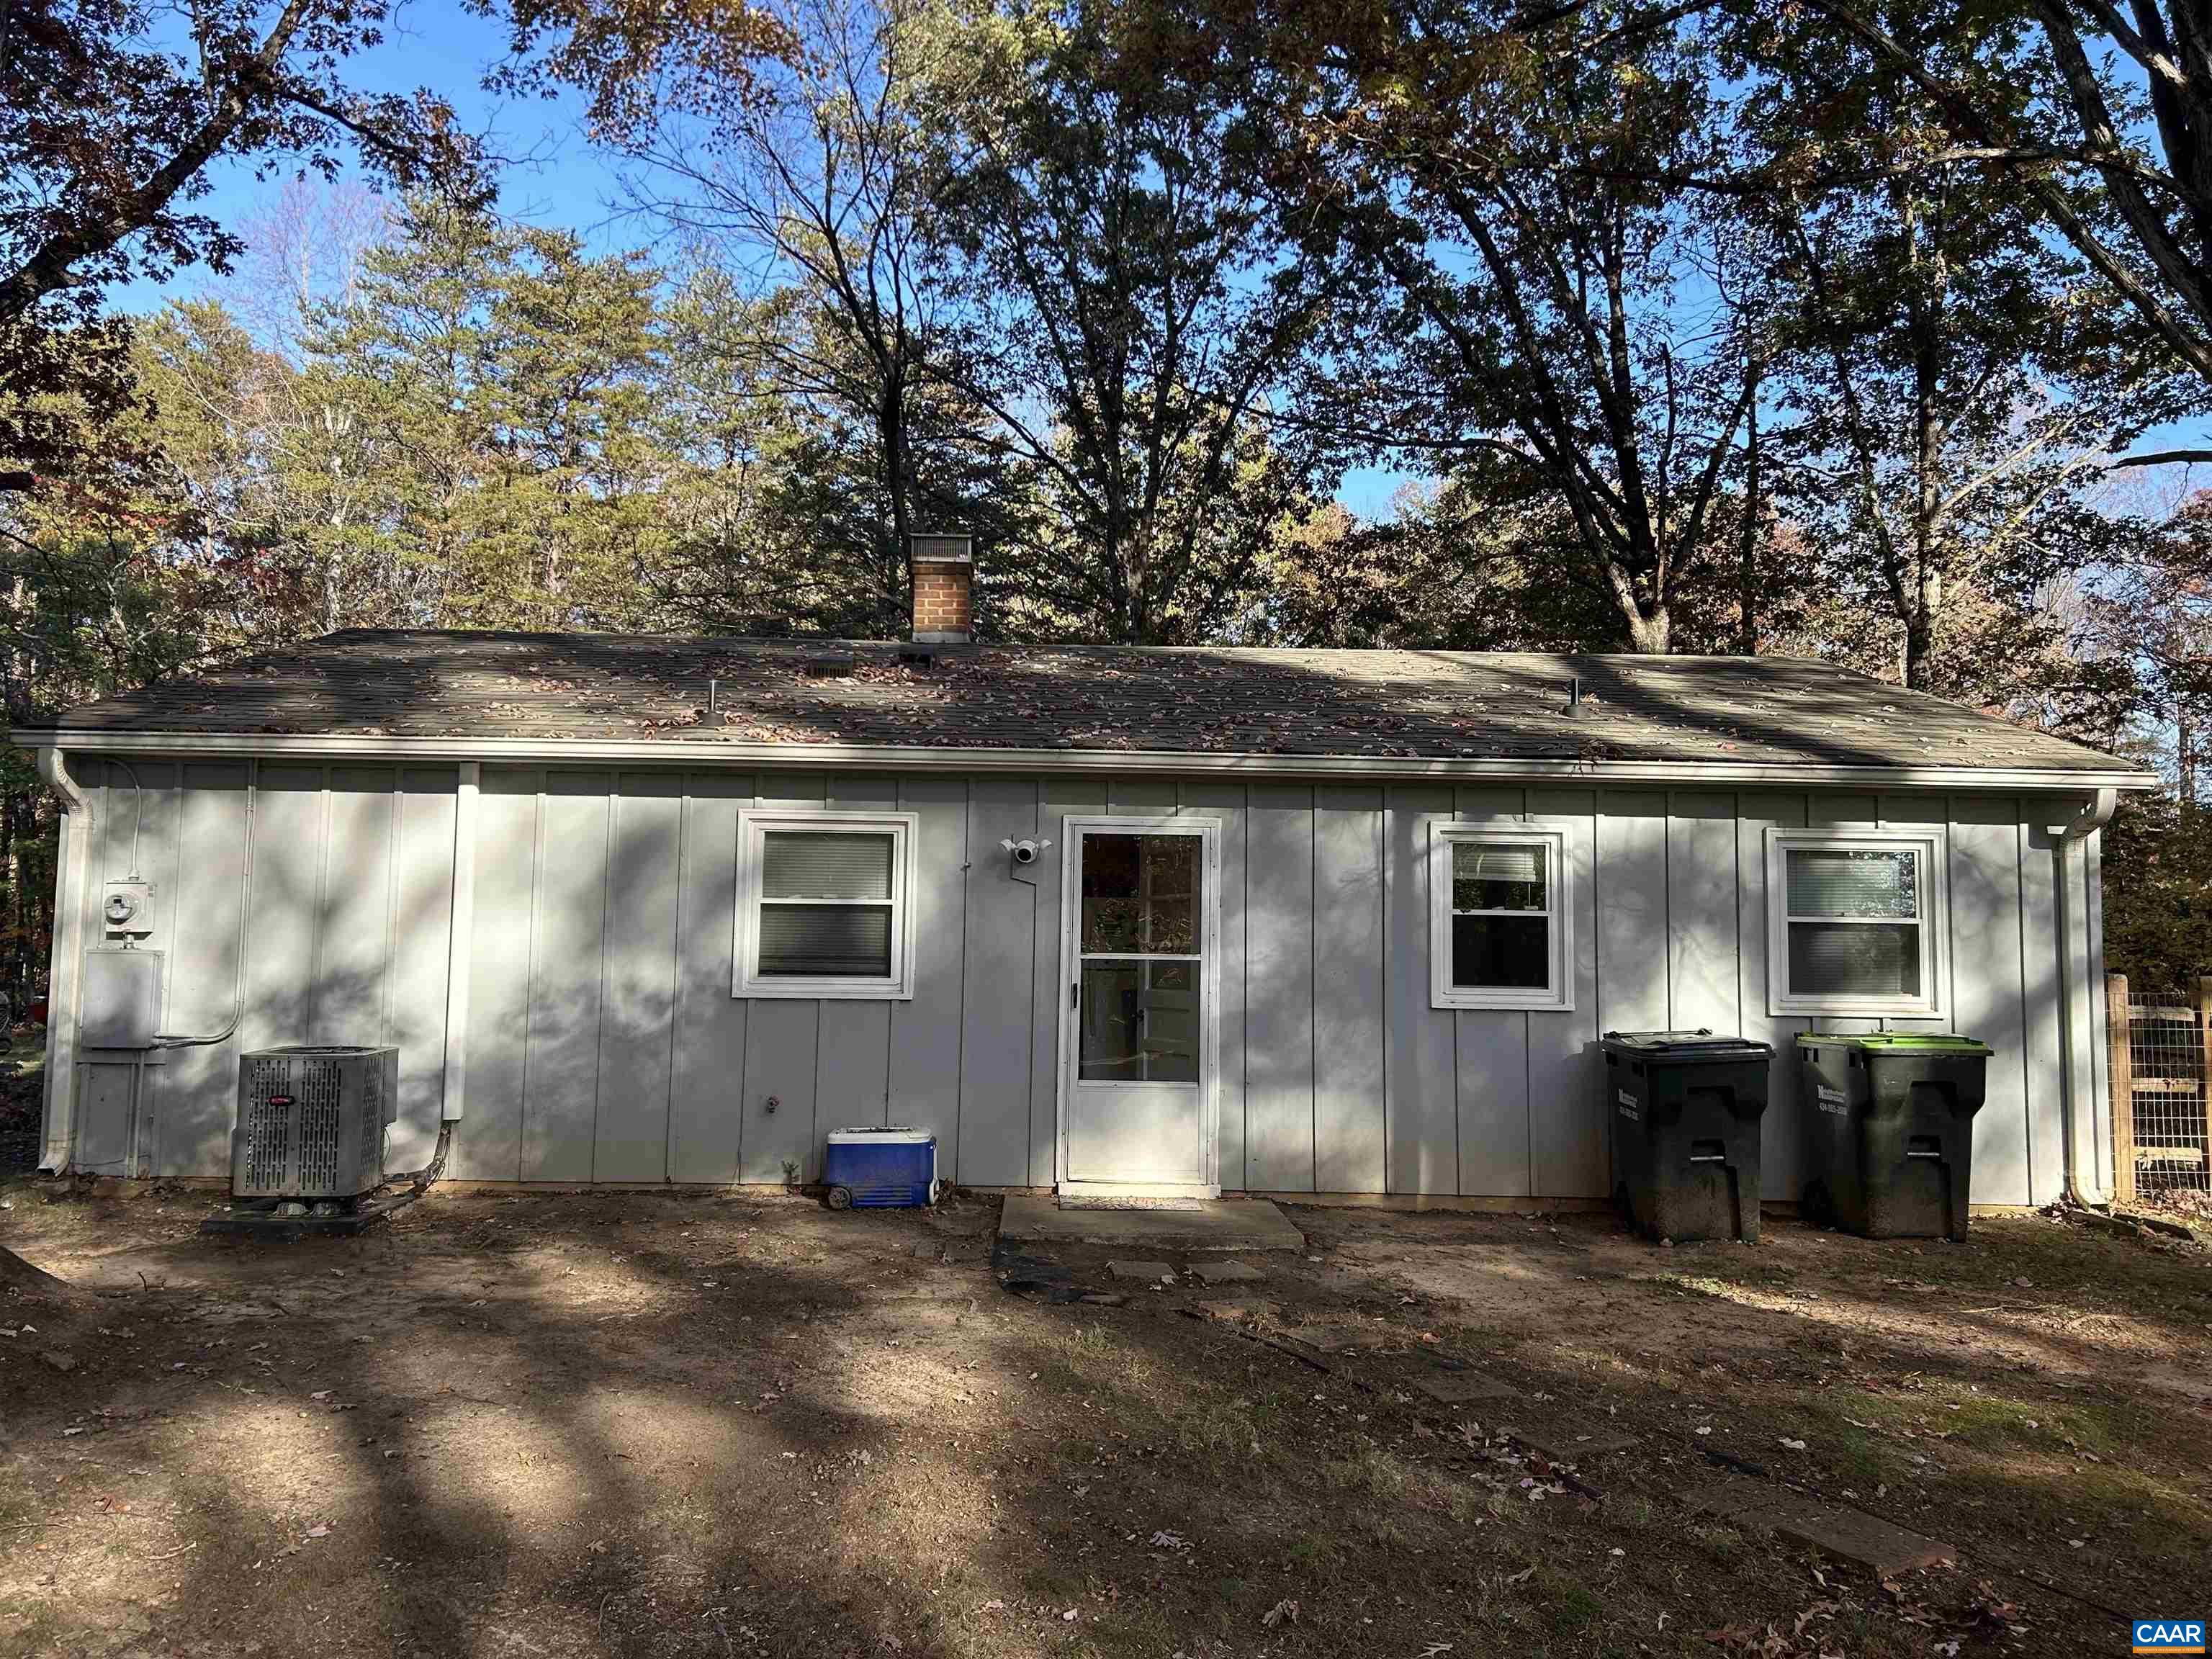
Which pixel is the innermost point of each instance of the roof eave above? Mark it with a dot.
(861, 757)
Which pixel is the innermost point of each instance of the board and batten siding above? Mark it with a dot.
(605, 1045)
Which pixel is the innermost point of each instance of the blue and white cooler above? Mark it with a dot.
(881, 1169)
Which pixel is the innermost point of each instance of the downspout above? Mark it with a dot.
(459, 940)
(65, 965)
(2077, 1055)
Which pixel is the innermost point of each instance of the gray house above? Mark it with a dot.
(639, 911)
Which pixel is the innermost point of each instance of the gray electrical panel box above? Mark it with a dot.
(122, 998)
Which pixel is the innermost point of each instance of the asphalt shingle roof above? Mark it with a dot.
(1426, 704)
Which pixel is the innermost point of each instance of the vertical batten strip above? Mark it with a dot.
(460, 934)
(609, 838)
(318, 916)
(395, 858)
(676, 977)
(530, 979)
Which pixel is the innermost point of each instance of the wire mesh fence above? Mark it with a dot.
(2161, 1142)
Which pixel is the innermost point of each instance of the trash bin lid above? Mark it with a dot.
(1896, 1042)
(1701, 1044)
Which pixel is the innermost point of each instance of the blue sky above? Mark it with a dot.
(555, 177)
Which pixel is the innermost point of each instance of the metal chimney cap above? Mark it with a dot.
(942, 547)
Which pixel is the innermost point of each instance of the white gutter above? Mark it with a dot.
(64, 972)
(1120, 763)
(2077, 1029)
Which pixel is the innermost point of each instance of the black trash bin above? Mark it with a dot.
(1686, 1107)
(1889, 1131)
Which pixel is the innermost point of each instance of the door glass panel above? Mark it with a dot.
(1140, 1022)
(1171, 1028)
(1141, 895)
(1139, 1014)
(1113, 1022)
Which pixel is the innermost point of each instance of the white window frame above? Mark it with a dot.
(1934, 922)
(753, 828)
(1559, 912)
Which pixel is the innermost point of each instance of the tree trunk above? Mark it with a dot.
(1919, 647)
(2184, 755)
(1923, 590)
(891, 434)
(1747, 601)
(1650, 630)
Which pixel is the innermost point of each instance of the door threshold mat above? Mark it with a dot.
(1107, 1203)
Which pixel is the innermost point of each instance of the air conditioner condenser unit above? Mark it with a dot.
(311, 1122)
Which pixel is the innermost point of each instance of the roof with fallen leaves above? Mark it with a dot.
(1411, 704)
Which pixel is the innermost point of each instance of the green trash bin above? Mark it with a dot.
(1889, 1130)
(1686, 1107)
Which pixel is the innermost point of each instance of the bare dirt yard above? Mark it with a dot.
(737, 1425)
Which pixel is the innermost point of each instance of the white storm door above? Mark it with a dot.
(1139, 1040)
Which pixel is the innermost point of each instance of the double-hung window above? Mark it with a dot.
(1856, 922)
(1500, 918)
(824, 904)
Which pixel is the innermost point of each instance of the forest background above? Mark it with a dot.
(1832, 328)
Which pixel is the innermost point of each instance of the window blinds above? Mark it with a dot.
(1498, 876)
(825, 864)
(1852, 882)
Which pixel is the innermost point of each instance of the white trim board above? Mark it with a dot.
(1072, 828)
(1932, 845)
(1557, 995)
(755, 824)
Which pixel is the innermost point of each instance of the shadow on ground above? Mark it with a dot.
(642, 1425)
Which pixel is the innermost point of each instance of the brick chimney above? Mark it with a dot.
(944, 579)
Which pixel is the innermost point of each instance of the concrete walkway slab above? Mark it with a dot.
(1847, 1534)
(1563, 1444)
(1217, 1225)
(1152, 1272)
(1463, 1387)
(1226, 1272)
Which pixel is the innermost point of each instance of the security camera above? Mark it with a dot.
(1023, 852)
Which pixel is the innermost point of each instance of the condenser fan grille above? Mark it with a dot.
(311, 1122)
(317, 1083)
(265, 1127)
